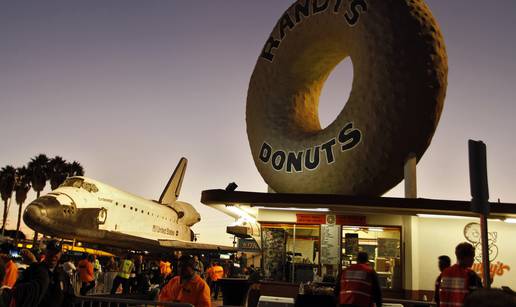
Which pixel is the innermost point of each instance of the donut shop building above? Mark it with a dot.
(307, 237)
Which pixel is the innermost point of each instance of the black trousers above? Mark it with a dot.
(87, 286)
(216, 288)
(120, 281)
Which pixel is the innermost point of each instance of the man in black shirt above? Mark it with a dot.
(44, 283)
(444, 262)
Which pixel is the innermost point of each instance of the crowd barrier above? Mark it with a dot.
(103, 283)
(99, 301)
(394, 302)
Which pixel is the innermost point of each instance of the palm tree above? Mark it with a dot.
(75, 169)
(21, 187)
(7, 180)
(57, 171)
(38, 169)
(38, 177)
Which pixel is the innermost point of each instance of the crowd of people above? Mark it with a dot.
(456, 286)
(51, 278)
(47, 280)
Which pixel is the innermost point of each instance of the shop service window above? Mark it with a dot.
(382, 244)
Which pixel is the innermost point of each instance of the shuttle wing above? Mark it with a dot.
(171, 192)
(177, 244)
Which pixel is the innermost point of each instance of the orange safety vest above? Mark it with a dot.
(11, 274)
(194, 291)
(454, 286)
(86, 271)
(165, 268)
(217, 273)
(356, 285)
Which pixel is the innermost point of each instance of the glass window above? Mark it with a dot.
(382, 244)
(72, 182)
(290, 252)
(80, 183)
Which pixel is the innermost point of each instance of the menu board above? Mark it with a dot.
(388, 247)
(330, 247)
(351, 244)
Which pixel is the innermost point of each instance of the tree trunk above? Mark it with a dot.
(35, 239)
(18, 224)
(4, 220)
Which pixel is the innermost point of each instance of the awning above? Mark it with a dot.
(342, 204)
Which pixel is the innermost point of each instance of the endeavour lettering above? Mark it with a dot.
(167, 231)
(308, 8)
(310, 158)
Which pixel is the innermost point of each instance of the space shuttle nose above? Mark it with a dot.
(33, 214)
(38, 210)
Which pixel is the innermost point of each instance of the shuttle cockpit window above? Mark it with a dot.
(73, 182)
(80, 183)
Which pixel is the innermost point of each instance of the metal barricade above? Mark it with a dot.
(103, 283)
(98, 301)
(406, 303)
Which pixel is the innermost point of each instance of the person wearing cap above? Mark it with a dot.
(187, 287)
(11, 270)
(44, 284)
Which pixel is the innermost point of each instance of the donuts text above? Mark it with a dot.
(310, 158)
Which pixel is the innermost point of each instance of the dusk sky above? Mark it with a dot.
(128, 87)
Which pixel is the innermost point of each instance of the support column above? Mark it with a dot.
(411, 232)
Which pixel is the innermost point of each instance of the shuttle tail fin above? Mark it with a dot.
(171, 192)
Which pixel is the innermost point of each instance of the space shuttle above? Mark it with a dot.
(86, 210)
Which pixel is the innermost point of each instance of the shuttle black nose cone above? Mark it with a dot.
(33, 214)
(38, 212)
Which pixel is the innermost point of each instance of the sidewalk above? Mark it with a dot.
(216, 303)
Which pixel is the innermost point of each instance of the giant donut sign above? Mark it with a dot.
(400, 78)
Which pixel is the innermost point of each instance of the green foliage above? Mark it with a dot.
(57, 171)
(35, 175)
(7, 180)
(22, 184)
(38, 167)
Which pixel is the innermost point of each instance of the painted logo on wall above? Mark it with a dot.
(473, 235)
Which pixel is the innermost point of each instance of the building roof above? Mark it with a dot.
(353, 204)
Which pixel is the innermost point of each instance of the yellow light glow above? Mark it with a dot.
(241, 213)
(294, 209)
(439, 216)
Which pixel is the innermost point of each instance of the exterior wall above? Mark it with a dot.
(440, 236)
(275, 216)
(425, 239)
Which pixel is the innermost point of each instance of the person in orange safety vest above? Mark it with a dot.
(11, 270)
(86, 275)
(359, 285)
(459, 280)
(165, 268)
(443, 263)
(187, 287)
(214, 273)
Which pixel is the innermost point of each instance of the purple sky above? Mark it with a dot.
(128, 87)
